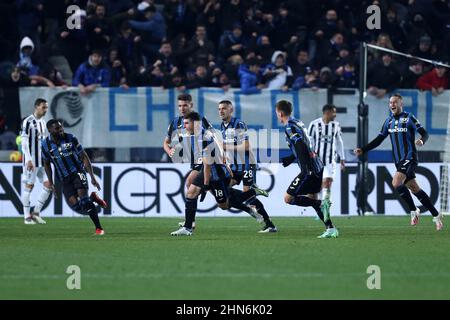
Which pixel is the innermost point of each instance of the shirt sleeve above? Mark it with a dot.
(77, 146)
(242, 132)
(340, 143)
(45, 155)
(25, 145)
(384, 129)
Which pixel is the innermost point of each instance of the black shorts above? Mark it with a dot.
(218, 188)
(73, 183)
(248, 177)
(408, 168)
(306, 185)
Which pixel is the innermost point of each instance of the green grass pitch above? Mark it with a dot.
(225, 259)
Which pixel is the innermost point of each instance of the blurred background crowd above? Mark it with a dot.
(247, 44)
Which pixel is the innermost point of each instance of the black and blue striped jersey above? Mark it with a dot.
(235, 133)
(298, 140)
(177, 135)
(402, 130)
(207, 147)
(65, 155)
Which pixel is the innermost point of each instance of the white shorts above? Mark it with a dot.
(329, 171)
(29, 177)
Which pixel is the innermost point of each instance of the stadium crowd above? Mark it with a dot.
(251, 44)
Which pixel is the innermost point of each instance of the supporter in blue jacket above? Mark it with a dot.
(250, 78)
(92, 74)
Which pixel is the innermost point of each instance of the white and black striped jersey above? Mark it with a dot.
(33, 132)
(326, 140)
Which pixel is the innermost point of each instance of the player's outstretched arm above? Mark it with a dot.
(423, 138)
(372, 145)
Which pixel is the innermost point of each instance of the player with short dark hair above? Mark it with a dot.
(71, 162)
(326, 139)
(402, 126)
(32, 133)
(178, 141)
(213, 176)
(304, 189)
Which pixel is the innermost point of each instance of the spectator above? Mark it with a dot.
(98, 29)
(309, 80)
(92, 74)
(175, 80)
(278, 74)
(128, 45)
(74, 42)
(166, 60)
(410, 76)
(200, 78)
(383, 76)
(283, 26)
(328, 50)
(26, 63)
(423, 49)
(337, 66)
(347, 78)
(180, 17)
(327, 26)
(117, 70)
(392, 27)
(153, 31)
(29, 15)
(326, 78)
(250, 77)
(302, 65)
(232, 43)
(434, 80)
(200, 51)
(231, 14)
(264, 50)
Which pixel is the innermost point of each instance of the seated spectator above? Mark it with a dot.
(264, 50)
(302, 65)
(250, 77)
(92, 74)
(328, 50)
(309, 80)
(434, 80)
(412, 74)
(326, 78)
(424, 48)
(278, 74)
(199, 79)
(347, 78)
(383, 76)
(232, 43)
(26, 63)
(166, 59)
(337, 66)
(175, 80)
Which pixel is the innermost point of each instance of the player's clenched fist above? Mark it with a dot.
(358, 151)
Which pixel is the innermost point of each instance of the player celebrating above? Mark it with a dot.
(179, 139)
(237, 149)
(33, 132)
(214, 176)
(177, 136)
(402, 127)
(326, 139)
(71, 162)
(304, 189)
